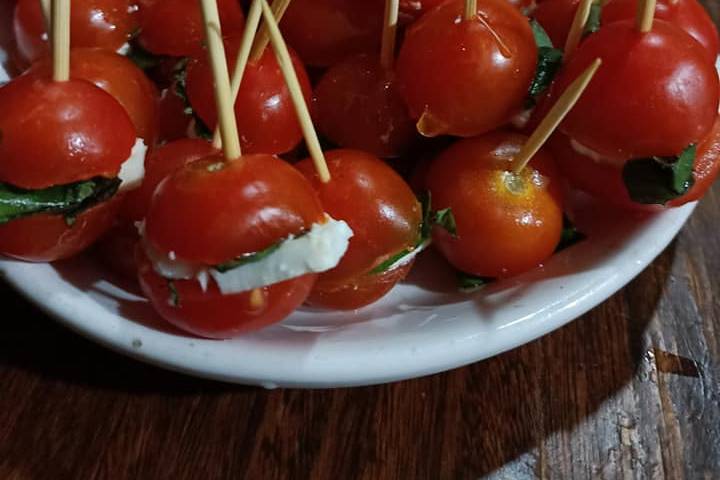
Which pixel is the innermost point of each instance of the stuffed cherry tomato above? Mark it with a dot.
(466, 77)
(358, 105)
(656, 94)
(324, 32)
(385, 217)
(266, 118)
(175, 27)
(254, 236)
(506, 223)
(122, 79)
(63, 146)
(106, 24)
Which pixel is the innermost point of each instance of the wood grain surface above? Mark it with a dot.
(631, 390)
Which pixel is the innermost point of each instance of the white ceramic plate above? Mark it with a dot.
(422, 327)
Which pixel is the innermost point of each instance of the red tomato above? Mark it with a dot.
(266, 117)
(324, 32)
(58, 133)
(467, 77)
(227, 209)
(173, 119)
(506, 223)
(116, 250)
(556, 17)
(175, 27)
(122, 79)
(689, 15)
(357, 105)
(655, 94)
(47, 238)
(416, 8)
(385, 218)
(158, 165)
(106, 24)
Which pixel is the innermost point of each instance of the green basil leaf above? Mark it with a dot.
(469, 283)
(69, 200)
(548, 63)
(144, 59)
(446, 220)
(658, 180)
(174, 299)
(248, 258)
(593, 21)
(541, 37)
(393, 260)
(570, 235)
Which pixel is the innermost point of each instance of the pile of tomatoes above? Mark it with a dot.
(420, 148)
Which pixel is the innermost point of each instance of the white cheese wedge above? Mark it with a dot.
(317, 251)
(132, 170)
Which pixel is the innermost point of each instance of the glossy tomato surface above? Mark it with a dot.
(324, 32)
(227, 209)
(506, 223)
(122, 79)
(556, 17)
(159, 164)
(266, 117)
(462, 77)
(175, 27)
(358, 105)
(689, 15)
(105, 24)
(58, 133)
(655, 93)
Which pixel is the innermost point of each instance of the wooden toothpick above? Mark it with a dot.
(288, 70)
(251, 26)
(223, 98)
(577, 27)
(556, 115)
(279, 7)
(645, 15)
(470, 9)
(61, 40)
(47, 14)
(389, 38)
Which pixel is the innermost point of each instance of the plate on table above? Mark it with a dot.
(424, 326)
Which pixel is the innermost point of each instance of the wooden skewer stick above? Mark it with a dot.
(46, 8)
(389, 38)
(218, 62)
(578, 26)
(285, 63)
(470, 9)
(251, 26)
(279, 8)
(556, 115)
(645, 15)
(61, 40)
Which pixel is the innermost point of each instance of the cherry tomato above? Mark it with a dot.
(173, 118)
(122, 79)
(324, 32)
(116, 250)
(175, 27)
(59, 133)
(465, 78)
(47, 238)
(158, 165)
(106, 24)
(266, 117)
(556, 17)
(689, 15)
(655, 94)
(227, 209)
(415, 8)
(357, 105)
(382, 212)
(506, 223)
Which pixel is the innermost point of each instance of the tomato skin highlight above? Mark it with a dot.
(175, 27)
(358, 105)
(162, 162)
(500, 232)
(227, 209)
(655, 94)
(59, 133)
(457, 77)
(48, 238)
(107, 24)
(119, 77)
(266, 117)
(210, 314)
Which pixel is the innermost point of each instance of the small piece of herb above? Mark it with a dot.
(593, 21)
(248, 258)
(201, 129)
(570, 235)
(468, 283)
(390, 263)
(445, 219)
(658, 180)
(174, 299)
(69, 200)
(549, 62)
(144, 59)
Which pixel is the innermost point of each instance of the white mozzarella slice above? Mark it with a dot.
(132, 171)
